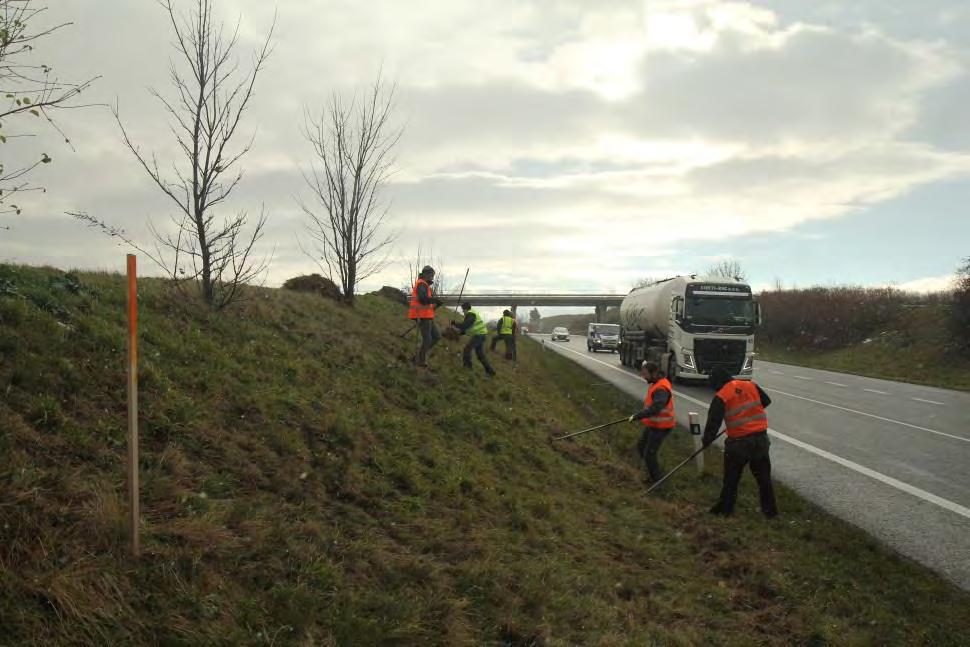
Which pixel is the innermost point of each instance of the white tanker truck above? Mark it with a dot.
(689, 325)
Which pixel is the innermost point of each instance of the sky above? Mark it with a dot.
(558, 145)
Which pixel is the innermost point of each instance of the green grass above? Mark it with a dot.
(303, 485)
(916, 348)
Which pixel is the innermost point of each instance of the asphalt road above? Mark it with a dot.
(889, 457)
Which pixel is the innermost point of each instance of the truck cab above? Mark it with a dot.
(691, 325)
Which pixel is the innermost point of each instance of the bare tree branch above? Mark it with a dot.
(353, 144)
(211, 94)
(729, 268)
(30, 91)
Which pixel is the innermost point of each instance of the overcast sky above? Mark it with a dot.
(565, 145)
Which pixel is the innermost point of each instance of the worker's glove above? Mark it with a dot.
(438, 303)
(634, 417)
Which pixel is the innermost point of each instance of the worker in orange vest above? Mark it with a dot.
(421, 309)
(740, 405)
(657, 417)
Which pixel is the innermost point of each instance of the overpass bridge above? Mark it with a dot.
(512, 300)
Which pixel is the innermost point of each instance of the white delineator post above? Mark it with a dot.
(695, 432)
(133, 405)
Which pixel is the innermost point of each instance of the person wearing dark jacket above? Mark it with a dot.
(741, 405)
(421, 309)
(474, 326)
(505, 331)
(657, 417)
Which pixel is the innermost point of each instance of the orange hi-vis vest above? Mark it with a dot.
(416, 309)
(743, 413)
(665, 419)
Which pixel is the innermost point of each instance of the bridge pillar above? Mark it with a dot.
(515, 308)
(600, 313)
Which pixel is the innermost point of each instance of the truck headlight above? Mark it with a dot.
(748, 364)
(689, 361)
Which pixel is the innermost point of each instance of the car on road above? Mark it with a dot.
(560, 333)
(602, 337)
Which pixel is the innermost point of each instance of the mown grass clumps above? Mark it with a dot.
(301, 484)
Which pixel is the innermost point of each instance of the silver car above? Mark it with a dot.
(560, 333)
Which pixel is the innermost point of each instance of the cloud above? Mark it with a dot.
(929, 284)
(549, 143)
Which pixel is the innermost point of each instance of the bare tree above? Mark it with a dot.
(960, 308)
(644, 282)
(535, 320)
(728, 268)
(30, 89)
(211, 93)
(353, 143)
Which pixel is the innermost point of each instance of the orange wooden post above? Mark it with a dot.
(133, 405)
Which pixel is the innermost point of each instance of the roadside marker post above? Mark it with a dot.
(133, 406)
(695, 432)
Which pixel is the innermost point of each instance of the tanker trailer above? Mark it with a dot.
(689, 325)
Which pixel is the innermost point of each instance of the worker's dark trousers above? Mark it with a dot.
(429, 337)
(510, 348)
(649, 446)
(747, 450)
(477, 344)
(497, 338)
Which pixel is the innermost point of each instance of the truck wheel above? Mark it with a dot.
(673, 370)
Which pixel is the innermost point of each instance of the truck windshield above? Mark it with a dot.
(606, 329)
(713, 311)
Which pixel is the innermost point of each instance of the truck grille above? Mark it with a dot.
(728, 353)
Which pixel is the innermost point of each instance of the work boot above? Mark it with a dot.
(770, 514)
(719, 510)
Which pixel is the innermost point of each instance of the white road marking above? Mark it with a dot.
(837, 384)
(870, 415)
(802, 377)
(929, 497)
(876, 391)
(777, 373)
(929, 401)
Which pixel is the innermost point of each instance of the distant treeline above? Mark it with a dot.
(831, 318)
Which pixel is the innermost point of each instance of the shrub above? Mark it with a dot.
(827, 318)
(314, 283)
(960, 309)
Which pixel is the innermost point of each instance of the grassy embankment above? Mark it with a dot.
(914, 346)
(302, 485)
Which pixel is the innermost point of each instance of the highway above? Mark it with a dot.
(889, 457)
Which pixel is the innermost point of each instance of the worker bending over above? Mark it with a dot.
(657, 417)
(741, 406)
(474, 327)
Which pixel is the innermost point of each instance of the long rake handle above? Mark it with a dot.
(686, 460)
(585, 431)
(462, 293)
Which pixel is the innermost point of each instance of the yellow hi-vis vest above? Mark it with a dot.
(478, 328)
(506, 325)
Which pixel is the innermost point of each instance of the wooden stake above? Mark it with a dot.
(133, 405)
